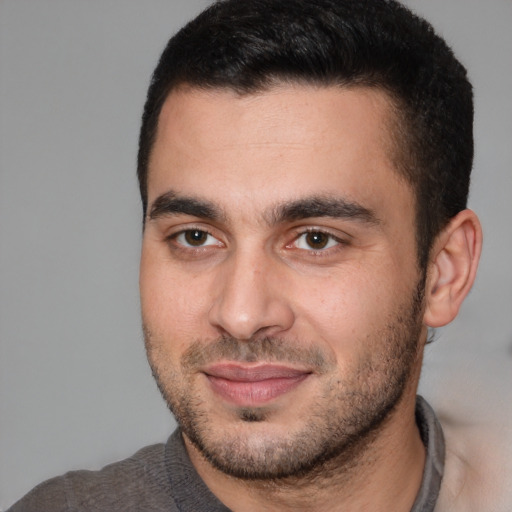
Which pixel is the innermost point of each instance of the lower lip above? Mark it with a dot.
(254, 393)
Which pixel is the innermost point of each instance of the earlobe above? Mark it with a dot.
(452, 268)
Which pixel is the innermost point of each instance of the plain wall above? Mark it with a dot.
(75, 388)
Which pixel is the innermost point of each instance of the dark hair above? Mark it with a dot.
(250, 45)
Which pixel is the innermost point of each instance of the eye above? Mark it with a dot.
(195, 238)
(315, 241)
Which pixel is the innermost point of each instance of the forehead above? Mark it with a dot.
(286, 142)
(281, 114)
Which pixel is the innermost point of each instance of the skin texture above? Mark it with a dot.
(283, 309)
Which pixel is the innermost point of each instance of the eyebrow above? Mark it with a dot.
(170, 203)
(319, 206)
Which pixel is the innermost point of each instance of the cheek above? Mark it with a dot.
(173, 303)
(345, 310)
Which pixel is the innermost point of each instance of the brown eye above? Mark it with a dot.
(317, 240)
(195, 237)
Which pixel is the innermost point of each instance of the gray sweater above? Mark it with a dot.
(162, 478)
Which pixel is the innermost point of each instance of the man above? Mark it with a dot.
(304, 169)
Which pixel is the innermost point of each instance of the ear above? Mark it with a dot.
(452, 268)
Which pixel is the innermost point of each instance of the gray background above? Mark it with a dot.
(75, 389)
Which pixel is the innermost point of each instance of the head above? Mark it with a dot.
(249, 47)
(300, 164)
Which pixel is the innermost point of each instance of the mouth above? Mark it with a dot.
(250, 386)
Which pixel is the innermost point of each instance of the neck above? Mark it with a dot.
(383, 472)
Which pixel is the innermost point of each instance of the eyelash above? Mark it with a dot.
(172, 239)
(324, 251)
(320, 252)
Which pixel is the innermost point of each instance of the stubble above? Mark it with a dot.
(343, 419)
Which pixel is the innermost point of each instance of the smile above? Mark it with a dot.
(252, 386)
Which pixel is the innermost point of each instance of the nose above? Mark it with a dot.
(251, 300)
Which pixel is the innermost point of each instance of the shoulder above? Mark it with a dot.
(139, 480)
(478, 468)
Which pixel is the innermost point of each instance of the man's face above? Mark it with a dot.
(280, 294)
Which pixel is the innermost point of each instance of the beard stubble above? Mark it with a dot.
(343, 419)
